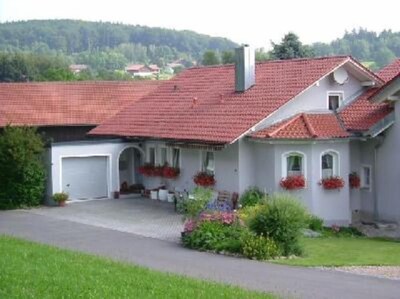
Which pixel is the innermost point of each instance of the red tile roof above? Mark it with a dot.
(77, 103)
(390, 71)
(305, 126)
(362, 114)
(201, 104)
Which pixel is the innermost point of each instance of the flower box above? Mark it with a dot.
(204, 179)
(170, 172)
(354, 180)
(147, 170)
(293, 182)
(332, 183)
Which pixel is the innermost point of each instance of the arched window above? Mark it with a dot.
(329, 164)
(293, 164)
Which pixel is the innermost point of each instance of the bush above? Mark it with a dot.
(282, 219)
(315, 223)
(259, 247)
(246, 214)
(191, 208)
(22, 173)
(213, 235)
(251, 197)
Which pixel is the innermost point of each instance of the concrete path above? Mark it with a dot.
(286, 281)
(141, 216)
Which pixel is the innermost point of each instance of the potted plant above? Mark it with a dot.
(204, 179)
(170, 172)
(332, 183)
(354, 180)
(60, 198)
(147, 169)
(293, 182)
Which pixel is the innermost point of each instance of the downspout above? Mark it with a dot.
(380, 140)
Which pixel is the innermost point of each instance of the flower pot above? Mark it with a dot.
(154, 194)
(170, 197)
(116, 194)
(163, 195)
(61, 203)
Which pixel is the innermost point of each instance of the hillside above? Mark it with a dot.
(139, 43)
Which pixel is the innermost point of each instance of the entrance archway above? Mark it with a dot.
(129, 161)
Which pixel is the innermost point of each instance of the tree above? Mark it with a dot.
(290, 47)
(262, 55)
(210, 58)
(228, 57)
(22, 172)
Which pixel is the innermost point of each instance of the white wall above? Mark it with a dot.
(314, 99)
(332, 206)
(110, 149)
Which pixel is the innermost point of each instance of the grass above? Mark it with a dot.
(347, 251)
(30, 270)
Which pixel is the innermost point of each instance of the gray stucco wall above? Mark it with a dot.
(333, 206)
(388, 172)
(314, 99)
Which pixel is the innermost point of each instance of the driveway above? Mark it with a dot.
(140, 216)
(289, 282)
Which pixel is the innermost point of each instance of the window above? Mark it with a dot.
(366, 176)
(293, 164)
(208, 162)
(334, 100)
(163, 156)
(176, 155)
(329, 165)
(152, 155)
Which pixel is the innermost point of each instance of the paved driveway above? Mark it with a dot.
(140, 216)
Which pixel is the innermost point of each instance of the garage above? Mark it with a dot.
(85, 177)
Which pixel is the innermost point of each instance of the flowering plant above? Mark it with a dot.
(354, 180)
(147, 170)
(293, 182)
(170, 172)
(204, 179)
(332, 183)
(226, 218)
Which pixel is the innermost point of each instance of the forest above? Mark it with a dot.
(42, 50)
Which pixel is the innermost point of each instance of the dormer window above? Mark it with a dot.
(335, 99)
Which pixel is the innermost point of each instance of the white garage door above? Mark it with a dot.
(84, 177)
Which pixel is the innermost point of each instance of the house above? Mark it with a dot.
(141, 70)
(77, 68)
(64, 113)
(252, 125)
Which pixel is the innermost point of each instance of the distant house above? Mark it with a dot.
(77, 68)
(141, 70)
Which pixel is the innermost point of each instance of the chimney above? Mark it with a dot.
(245, 71)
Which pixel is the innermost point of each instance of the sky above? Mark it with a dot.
(252, 22)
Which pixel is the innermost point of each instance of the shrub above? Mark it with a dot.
(315, 223)
(251, 197)
(282, 219)
(60, 197)
(22, 172)
(213, 235)
(193, 207)
(247, 213)
(259, 247)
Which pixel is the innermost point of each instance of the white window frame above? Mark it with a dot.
(202, 157)
(148, 154)
(172, 156)
(293, 153)
(362, 178)
(167, 158)
(336, 162)
(335, 93)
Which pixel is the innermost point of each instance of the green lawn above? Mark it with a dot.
(30, 270)
(347, 251)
